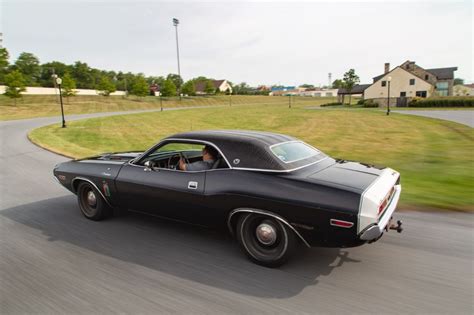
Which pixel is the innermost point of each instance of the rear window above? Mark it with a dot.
(293, 151)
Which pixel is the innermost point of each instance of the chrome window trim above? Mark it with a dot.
(158, 169)
(131, 162)
(279, 171)
(267, 213)
(92, 183)
(293, 141)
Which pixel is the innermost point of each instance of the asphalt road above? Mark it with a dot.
(465, 117)
(52, 260)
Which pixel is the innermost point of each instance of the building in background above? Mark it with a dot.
(463, 90)
(219, 85)
(410, 80)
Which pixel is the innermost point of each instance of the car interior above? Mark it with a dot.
(168, 155)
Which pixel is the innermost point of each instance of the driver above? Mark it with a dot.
(209, 156)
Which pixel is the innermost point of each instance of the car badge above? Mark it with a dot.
(106, 189)
(236, 161)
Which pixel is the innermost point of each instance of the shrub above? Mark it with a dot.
(370, 103)
(442, 102)
(331, 104)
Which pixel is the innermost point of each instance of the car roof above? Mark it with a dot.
(247, 149)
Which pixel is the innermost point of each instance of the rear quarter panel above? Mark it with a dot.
(298, 201)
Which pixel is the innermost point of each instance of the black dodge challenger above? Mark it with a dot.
(271, 191)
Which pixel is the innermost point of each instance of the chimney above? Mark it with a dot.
(387, 67)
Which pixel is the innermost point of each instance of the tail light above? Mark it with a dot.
(386, 200)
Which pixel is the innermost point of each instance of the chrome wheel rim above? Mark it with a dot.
(91, 199)
(266, 234)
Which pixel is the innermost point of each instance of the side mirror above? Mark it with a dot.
(149, 165)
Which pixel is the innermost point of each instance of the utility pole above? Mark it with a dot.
(176, 23)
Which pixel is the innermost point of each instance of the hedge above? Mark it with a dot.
(331, 104)
(442, 102)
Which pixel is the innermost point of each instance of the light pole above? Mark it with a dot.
(59, 81)
(175, 23)
(388, 95)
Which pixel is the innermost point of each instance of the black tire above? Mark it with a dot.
(271, 249)
(91, 203)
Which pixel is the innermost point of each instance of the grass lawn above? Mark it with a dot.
(435, 157)
(30, 106)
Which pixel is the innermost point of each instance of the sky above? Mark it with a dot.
(265, 42)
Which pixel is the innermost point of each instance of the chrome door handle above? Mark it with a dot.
(192, 185)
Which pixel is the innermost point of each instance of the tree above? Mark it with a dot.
(209, 87)
(189, 88)
(242, 89)
(155, 80)
(15, 83)
(50, 68)
(338, 84)
(81, 72)
(168, 88)
(350, 79)
(140, 87)
(28, 65)
(4, 56)
(307, 86)
(105, 86)
(458, 81)
(177, 80)
(69, 85)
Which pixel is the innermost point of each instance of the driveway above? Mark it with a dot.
(465, 117)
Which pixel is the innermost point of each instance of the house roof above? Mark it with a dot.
(469, 85)
(443, 73)
(439, 73)
(201, 85)
(357, 89)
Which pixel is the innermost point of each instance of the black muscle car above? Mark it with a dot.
(271, 191)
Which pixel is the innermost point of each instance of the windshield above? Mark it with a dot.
(293, 151)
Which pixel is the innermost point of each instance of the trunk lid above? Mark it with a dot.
(357, 176)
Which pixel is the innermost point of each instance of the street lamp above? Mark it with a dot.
(59, 81)
(388, 94)
(176, 23)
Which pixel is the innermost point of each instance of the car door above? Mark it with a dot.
(164, 192)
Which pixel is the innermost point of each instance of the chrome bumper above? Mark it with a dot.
(373, 232)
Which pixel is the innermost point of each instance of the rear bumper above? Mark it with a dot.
(375, 231)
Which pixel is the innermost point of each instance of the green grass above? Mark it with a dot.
(30, 106)
(434, 157)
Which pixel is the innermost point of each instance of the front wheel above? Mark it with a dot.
(91, 203)
(265, 240)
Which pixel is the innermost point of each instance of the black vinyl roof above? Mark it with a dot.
(247, 149)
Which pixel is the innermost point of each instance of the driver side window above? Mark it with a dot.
(168, 155)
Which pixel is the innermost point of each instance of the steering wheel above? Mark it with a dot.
(176, 166)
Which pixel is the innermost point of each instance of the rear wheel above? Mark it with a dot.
(91, 203)
(265, 240)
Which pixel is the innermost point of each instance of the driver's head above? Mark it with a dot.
(209, 153)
